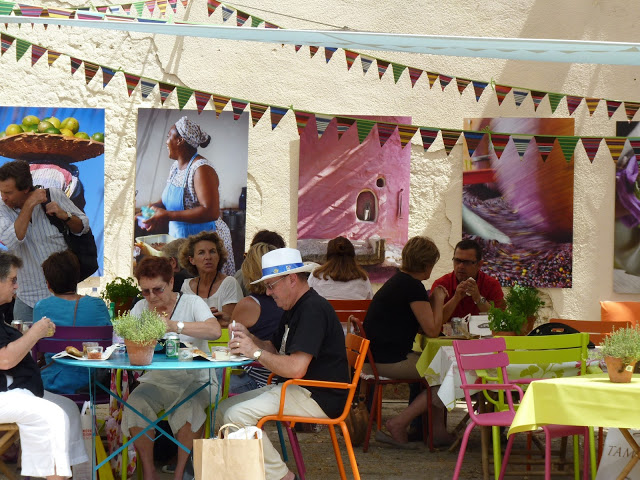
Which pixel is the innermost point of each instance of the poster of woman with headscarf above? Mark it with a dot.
(191, 176)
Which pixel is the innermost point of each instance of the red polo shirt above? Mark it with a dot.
(488, 286)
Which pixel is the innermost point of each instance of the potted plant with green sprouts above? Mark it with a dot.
(122, 292)
(621, 351)
(526, 301)
(140, 333)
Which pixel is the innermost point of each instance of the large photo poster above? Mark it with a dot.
(626, 247)
(165, 184)
(519, 207)
(356, 190)
(60, 157)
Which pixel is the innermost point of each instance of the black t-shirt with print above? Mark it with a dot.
(390, 324)
(314, 328)
(26, 374)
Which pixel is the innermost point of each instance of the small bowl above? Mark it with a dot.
(94, 352)
(86, 345)
(185, 355)
(221, 353)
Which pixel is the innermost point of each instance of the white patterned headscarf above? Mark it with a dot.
(191, 132)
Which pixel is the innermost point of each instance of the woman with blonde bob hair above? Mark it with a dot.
(399, 310)
(258, 312)
(340, 277)
(203, 255)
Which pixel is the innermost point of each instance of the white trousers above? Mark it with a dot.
(50, 431)
(248, 408)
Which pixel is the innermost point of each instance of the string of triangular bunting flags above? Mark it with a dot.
(450, 137)
(519, 94)
(21, 9)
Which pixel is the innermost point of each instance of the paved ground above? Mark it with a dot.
(383, 462)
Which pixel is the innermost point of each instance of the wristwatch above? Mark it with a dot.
(257, 354)
(482, 301)
(69, 215)
(179, 327)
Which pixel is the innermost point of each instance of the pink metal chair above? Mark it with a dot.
(488, 354)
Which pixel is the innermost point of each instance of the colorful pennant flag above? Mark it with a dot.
(366, 63)
(444, 80)
(146, 87)
(364, 128)
(554, 100)
(520, 96)
(397, 71)
(270, 25)
(75, 64)
(212, 5)
(351, 57)
(462, 84)
(591, 146)
(501, 92)
(184, 95)
(138, 6)
(635, 144)
(107, 75)
(328, 53)
(343, 124)
(428, 136)
(537, 98)
(631, 108)
(255, 22)
(545, 145)
(313, 50)
(36, 52)
(573, 102)
(450, 139)
(202, 98)
(226, 13)
(385, 130)
(432, 78)
(29, 10)
(615, 145)
(238, 108)
(406, 133)
(568, 146)
(612, 107)
(478, 88)
(521, 143)
(90, 70)
(298, 47)
(219, 102)
(302, 119)
(322, 122)
(414, 75)
(6, 8)
(52, 56)
(151, 5)
(132, 82)
(499, 142)
(473, 139)
(162, 6)
(257, 110)
(21, 48)
(276, 115)
(165, 91)
(382, 68)
(241, 18)
(60, 12)
(592, 104)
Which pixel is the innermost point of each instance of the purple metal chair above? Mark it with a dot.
(488, 354)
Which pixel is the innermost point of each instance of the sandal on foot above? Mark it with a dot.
(389, 440)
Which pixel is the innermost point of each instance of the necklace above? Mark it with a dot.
(210, 286)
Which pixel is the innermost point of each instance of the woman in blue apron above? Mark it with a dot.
(190, 201)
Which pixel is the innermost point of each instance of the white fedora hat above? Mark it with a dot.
(283, 261)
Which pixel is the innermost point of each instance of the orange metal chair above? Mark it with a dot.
(377, 382)
(597, 330)
(345, 308)
(357, 348)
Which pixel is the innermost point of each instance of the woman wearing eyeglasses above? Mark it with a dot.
(190, 317)
(398, 311)
(203, 255)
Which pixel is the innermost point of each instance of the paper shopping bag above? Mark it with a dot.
(231, 456)
(616, 454)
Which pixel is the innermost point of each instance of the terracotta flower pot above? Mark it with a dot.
(618, 370)
(139, 353)
(528, 325)
(502, 334)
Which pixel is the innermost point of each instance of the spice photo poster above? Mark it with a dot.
(520, 207)
(356, 190)
(162, 184)
(57, 160)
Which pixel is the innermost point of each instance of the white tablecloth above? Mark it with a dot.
(443, 371)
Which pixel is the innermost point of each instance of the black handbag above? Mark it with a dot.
(83, 246)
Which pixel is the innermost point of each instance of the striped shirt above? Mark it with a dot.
(41, 240)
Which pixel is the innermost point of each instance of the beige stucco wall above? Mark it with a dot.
(276, 74)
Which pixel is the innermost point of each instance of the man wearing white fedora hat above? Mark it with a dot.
(309, 344)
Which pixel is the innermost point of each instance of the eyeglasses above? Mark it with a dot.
(466, 263)
(270, 286)
(156, 291)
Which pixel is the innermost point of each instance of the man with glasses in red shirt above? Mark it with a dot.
(470, 290)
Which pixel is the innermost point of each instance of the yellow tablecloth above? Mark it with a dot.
(430, 347)
(591, 400)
